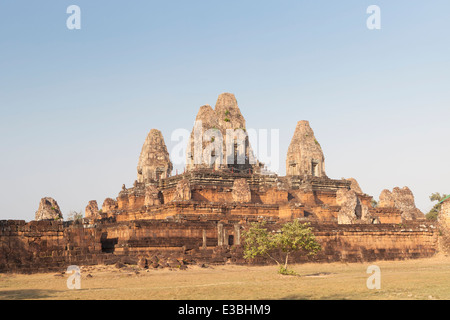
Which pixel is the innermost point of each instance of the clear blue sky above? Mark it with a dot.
(76, 105)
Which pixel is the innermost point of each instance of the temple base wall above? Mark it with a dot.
(51, 246)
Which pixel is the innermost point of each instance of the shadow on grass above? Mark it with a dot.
(296, 297)
(320, 274)
(304, 297)
(26, 294)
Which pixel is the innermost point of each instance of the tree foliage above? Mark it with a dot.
(293, 236)
(433, 213)
(374, 203)
(75, 216)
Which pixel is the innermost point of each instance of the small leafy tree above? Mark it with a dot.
(433, 213)
(75, 216)
(293, 236)
(374, 203)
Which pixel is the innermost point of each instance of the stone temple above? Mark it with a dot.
(209, 188)
(199, 215)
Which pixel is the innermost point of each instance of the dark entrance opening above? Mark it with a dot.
(108, 245)
(230, 240)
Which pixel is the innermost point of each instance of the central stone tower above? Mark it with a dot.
(219, 139)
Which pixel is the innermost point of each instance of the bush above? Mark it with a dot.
(432, 215)
(75, 216)
(293, 236)
(286, 272)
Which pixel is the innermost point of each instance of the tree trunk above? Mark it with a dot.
(273, 259)
(286, 262)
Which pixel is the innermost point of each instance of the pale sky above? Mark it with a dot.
(76, 105)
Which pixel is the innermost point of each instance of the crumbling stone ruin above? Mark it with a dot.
(152, 196)
(197, 217)
(109, 206)
(354, 185)
(183, 191)
(91, 210)
(352, 211)
(48, 210)
(241, 191)
(402, 199)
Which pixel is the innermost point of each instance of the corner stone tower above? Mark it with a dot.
(402, 199)
(305, 156)
(154, 161)
(48, 210)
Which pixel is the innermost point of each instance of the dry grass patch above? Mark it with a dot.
(411, 279)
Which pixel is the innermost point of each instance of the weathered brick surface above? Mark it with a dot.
(212, 193)
(444, 225)
(205, 227)
(49, 246)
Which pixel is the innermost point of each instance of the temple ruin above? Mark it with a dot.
(199, 215)
(48, 210)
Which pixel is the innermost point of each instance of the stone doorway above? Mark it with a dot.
(230, 240)
(315, 168)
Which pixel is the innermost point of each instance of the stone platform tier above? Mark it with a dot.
(222, 193)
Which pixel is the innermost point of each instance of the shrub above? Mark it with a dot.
(293, 236)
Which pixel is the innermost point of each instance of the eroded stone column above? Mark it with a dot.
(237, 234)
(204, 239)
(220, 234)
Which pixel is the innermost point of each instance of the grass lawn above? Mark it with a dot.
(410, 279)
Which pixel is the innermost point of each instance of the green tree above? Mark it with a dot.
(374, 203)
(433, 213)
(293, 236)
(75, 216)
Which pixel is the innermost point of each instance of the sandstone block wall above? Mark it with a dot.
(50, 246)
(376, 242)
(364, 243)
(444, 225)
(42, 246)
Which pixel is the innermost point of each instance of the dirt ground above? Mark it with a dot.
(422, 279)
